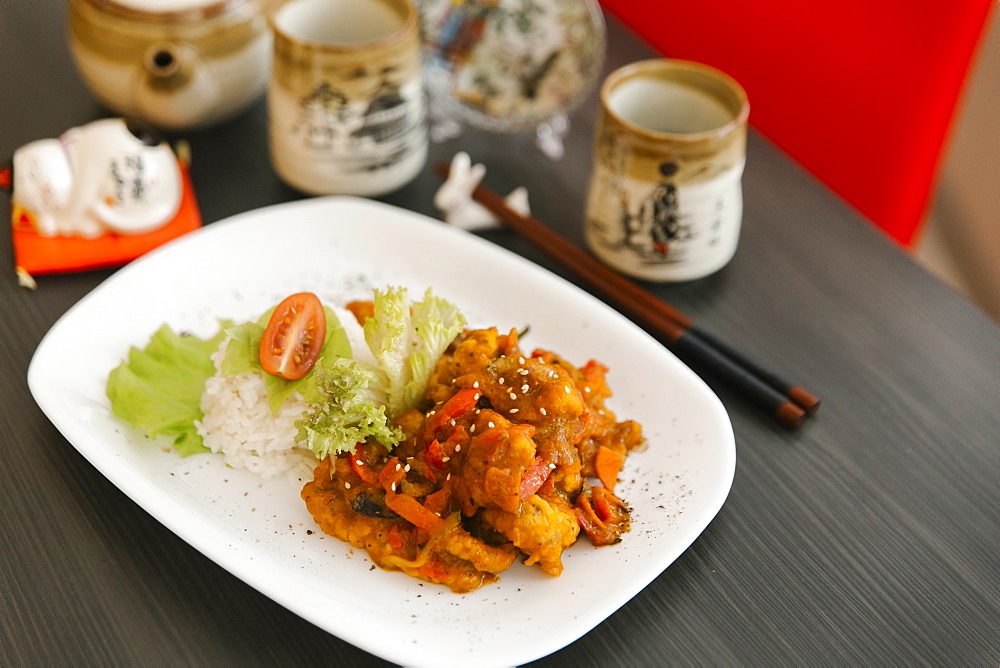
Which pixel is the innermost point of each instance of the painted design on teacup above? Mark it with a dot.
(513, 63)
(652, 229)
(366, 134)
(665, 222)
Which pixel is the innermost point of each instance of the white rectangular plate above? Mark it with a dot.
(341, 248)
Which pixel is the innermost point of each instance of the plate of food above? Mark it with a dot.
(422, 443)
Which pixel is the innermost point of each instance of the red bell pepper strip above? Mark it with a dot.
(602, 515)
(391, 475)
(437, 502)
(462, 402)
(534, 477)
(435, 455)
(603, 507)
(414, 512)
(361, 469)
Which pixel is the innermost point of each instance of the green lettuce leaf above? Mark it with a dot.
(158, 389)
(353, 409)
(407, 341)
(436, 323)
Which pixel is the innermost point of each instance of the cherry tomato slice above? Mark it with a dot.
(294, 336)
(534, 478)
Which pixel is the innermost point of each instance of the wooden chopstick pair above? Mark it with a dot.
(788, 403)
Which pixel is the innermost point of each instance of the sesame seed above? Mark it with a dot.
(446, 458)
(523, 372)
(520, 360)
(552, 466)
(501, 380)
(393, 487)
(543, 411)
(586, 389)
(406, 468)
(397, 465)
(475, 384)
(472, 429)
(566, 387)
(525, 387)
(491, 425)
(513, 396)
(359, 462)
(458, 446)
(347, 485)
(513, 410)
(448, 477)
(453, 422)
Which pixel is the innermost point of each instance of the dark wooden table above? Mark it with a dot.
(868, 537)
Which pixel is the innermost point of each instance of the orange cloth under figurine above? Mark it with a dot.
(99, 196)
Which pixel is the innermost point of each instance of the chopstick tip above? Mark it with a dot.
(790, 414)
(808, 401)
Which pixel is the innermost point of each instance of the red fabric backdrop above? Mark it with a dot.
(860, 92)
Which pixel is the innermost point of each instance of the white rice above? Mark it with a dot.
(239, 424)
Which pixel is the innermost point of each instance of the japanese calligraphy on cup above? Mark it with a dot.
(665, 201)
(347, 114)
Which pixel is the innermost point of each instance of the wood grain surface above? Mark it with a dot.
(870, 536)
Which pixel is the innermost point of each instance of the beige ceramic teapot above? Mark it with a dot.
(176, 64)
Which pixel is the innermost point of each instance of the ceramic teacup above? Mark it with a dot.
(665, 200)
(347, 114)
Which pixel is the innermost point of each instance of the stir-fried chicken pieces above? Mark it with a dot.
(499, 465)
